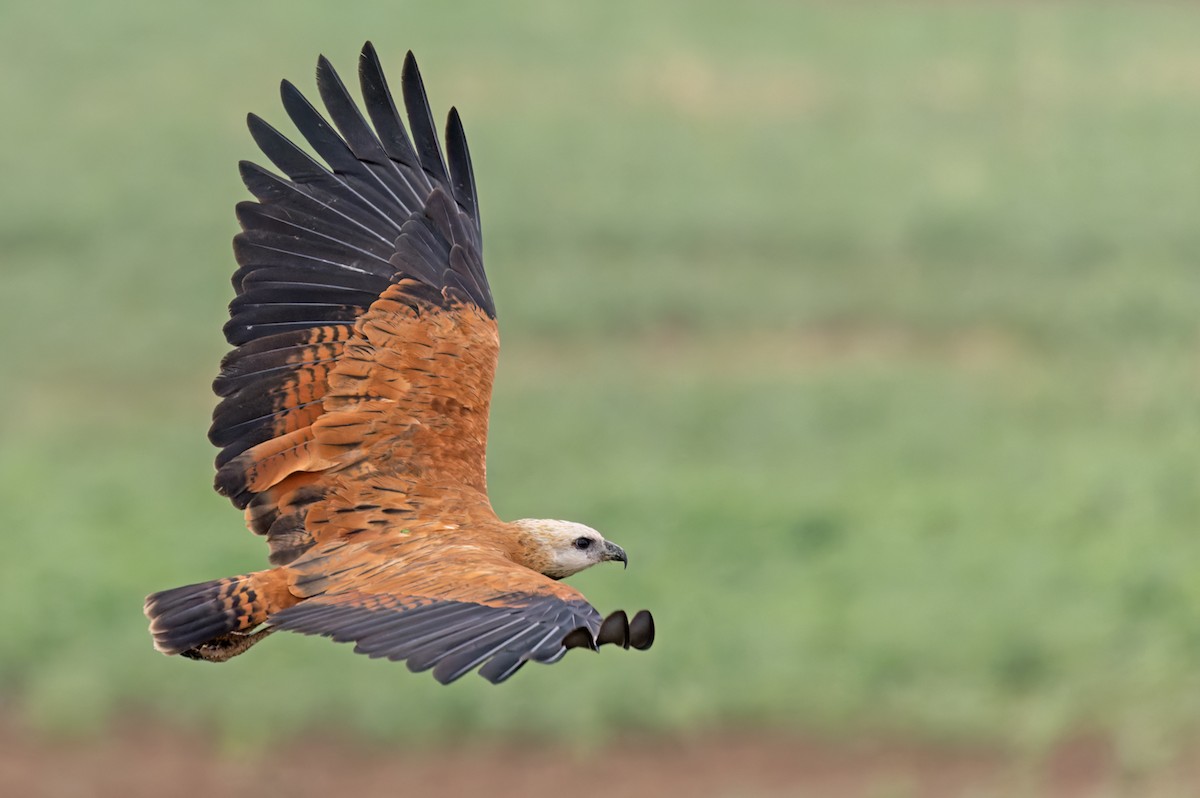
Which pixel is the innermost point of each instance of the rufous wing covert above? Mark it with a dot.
(353, 413)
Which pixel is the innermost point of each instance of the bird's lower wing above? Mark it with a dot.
(447, 608)
(452, 637)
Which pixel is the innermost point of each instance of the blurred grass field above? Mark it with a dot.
(872, 333)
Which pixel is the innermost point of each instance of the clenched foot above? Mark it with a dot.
(227, 646)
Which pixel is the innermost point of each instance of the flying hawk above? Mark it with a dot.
(353, 412)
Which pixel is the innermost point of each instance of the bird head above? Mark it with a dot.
(563, 548)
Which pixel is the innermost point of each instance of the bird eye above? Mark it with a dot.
(583, 544)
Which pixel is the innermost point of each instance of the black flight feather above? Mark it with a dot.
(420, 121)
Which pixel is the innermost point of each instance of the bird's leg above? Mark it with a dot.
(225, 647)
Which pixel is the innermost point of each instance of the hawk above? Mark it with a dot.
(353, 414)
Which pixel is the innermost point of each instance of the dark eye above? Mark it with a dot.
(583, 544)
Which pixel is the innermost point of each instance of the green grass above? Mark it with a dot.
(871, 333)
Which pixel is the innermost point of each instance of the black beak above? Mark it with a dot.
(614, 552)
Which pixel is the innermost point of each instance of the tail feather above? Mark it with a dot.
(186, 617)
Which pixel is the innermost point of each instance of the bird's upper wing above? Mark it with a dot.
(364, 328)
(450, 606)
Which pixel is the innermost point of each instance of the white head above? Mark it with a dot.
(562, 548)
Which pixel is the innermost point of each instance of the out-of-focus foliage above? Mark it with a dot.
(870, 332)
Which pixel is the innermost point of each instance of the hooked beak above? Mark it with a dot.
(614, 552)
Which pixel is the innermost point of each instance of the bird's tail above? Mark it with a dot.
(185, 618)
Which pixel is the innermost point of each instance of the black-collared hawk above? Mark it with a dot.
(353, 413)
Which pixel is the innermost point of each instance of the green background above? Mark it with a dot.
(871, 333)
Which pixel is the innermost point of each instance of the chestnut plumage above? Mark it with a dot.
(353, 414)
